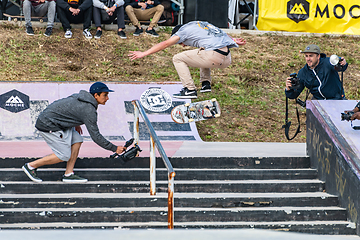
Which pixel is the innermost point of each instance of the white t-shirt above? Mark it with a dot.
(203, 34)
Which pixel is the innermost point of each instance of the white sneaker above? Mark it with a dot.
(87, 34)
(68, 33)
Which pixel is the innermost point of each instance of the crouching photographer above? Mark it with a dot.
(351, 115)
(320, 76)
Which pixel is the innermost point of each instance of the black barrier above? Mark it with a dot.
(336, 161)
(214, 12)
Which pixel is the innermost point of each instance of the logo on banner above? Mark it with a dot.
(14, 101)
(156, 100)
(298, 10)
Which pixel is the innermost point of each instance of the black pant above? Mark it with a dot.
(66, 17)
(118, 14)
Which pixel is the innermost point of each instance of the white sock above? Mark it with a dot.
(69, 174)
(30, 167)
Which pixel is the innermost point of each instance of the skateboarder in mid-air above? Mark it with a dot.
(214, 52)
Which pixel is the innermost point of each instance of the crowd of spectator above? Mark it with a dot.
(97, 11)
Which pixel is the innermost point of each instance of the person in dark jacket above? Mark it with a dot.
(356, 112)
(59, 124)
(75, 11)
(106, 11)
(39, 8)
(144, 10)
(319, 76)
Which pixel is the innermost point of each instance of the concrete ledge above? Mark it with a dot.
(241, 149)
(246, 234)
(333, 147)
(36, 149)
(57, 25)
(129, 28)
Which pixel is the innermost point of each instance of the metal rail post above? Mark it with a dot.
(152, 167)
(180, 3)
(155, 142)
(136, 124)
(171, 201)
(255, 16)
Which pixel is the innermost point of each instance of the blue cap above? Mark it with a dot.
(99, 87)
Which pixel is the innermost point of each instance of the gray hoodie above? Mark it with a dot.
(75, 110)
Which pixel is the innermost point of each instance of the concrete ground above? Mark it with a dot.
(37, 149)
(173, 149)
(243, 234)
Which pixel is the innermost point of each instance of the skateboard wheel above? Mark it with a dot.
(191, 120)
(15, 19)
(213, 100)
(217, 115)
(41, 21)
(187, 104)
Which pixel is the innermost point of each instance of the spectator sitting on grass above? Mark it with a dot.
(75, 11)
(106, 11)
(39, 8)
(144, 11)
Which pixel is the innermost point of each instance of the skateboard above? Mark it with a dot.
(16, 17)
(144, 22)
(197, 111)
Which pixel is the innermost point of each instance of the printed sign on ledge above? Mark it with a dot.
(315, 16)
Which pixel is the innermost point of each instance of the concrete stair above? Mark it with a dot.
(268, 193)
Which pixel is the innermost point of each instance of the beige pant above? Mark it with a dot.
(205, 60)
(136, 15)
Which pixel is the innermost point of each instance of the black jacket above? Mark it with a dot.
(80, 4)
(329, 86)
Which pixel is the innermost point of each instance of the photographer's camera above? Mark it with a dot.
(295, 83)
(346, 116)
(130, 153)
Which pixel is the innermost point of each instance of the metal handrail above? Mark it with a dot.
(180, 3)
(155, 142)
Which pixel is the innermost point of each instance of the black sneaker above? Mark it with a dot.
(29, 31)
(152, 33)
(138, 31)
(74, 179)
(122, 34)
(48, 32)
(32, 174)
(186, 93)
(98, 34)
(206, 87)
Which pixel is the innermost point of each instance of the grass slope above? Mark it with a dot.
(250, 91)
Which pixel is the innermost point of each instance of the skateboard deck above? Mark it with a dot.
(144, 22)
(16, 17)
(196, 111)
